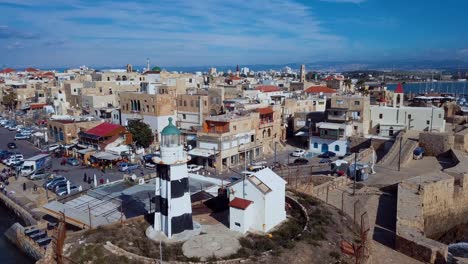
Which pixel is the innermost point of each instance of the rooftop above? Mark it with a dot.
(320, 89)
(267, 88)
(103, 129)
(240, 203)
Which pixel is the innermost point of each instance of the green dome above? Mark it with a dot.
(170, 129)
(156, 69)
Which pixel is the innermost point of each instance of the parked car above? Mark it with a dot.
(299, 161)
(59, 185)
(53, 147)
(327, 155)
(194, 168)
(234, 178)
(19, 127)
(20, 136)
(63, 191)
(150, 165)
(12, 128)
(255, 168)
(148, 157)
(11, 145)
(298, 153)
(73, 161)
(50, 182)
(4, 154)
(325, 160)
(38, 175)
(127, 166)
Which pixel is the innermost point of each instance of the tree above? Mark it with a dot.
(141, 132)
(347, 83)
(10, 100)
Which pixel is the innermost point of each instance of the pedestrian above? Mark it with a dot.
(89, 180)
(24, 186)
(101, 181)
(85, 178)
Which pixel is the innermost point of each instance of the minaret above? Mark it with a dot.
(147, 65)
(302, 73)
(237, 71)
(173, 213)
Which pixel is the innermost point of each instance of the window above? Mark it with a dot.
(357, 103)
(337, 148)
(355, 127)
(409, 116)
(428, 122)
(440, 115)
(315, 145)
(184, 116)
(191, 103)
(252, 138)
(205, 103)
(235, 128)
(380, 116)
(237, 224)
(185, 103)
(339, 102)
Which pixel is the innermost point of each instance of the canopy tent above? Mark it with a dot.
(106, 156)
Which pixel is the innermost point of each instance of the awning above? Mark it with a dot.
(84, 151)
(326, 125)
(119, 150)
(105, 156)
(202, 152)
(38, 134)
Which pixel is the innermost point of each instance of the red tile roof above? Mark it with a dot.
(319, 89)
(235, 78)
(267, 88)
(37, 106)
(7, 70)
(265, 110)
(240, 203)
(31, 70)
(103, 129)
(399, 88)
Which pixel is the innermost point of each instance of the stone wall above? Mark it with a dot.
(435, 144)
(461, 140)
(16, 236)
(428, 207)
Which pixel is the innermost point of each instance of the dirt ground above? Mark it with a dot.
(320, 243)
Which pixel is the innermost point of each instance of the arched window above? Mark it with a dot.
(269, 132)
(263, 134)
(315, 145)
(390, 132)
(139, 106)
(337, 148)
(61, 134)
(378, 129)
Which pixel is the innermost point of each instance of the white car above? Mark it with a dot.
(298, 153)
(150, 165)
(53, 147)
(19, 136)
(194, 168)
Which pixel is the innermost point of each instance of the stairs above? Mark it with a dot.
(409, 141)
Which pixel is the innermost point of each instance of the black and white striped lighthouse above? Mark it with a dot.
(173, 206)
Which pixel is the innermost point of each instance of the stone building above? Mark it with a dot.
(192, 109)
(152, 108)
(66, 131)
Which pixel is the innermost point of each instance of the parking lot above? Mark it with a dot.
(74, 174)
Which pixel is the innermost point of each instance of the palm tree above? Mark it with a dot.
(360, 83)
(347, 83)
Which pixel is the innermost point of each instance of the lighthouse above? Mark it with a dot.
(173, 213)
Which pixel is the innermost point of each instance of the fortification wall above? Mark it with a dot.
(435, 144)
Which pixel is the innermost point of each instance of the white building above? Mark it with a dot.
(387, 121)
(330, 137)
(173, 205)
(258, 202)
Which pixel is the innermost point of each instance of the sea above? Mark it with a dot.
(455, 87)
(9, 253)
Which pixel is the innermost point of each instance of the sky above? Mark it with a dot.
(64, 33)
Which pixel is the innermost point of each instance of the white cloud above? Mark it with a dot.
(182, 32)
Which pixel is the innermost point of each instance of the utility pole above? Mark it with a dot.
(275, 152)
(399, 154)
(432, 117)
(355, 172)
